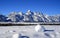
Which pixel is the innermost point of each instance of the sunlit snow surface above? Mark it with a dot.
(29, 31)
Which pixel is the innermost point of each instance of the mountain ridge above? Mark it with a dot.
(29, 16)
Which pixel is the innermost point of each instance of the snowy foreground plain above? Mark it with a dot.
(29, 31)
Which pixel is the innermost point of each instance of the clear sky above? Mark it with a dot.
(50, 7)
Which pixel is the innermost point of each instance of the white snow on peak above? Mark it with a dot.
(20, 13)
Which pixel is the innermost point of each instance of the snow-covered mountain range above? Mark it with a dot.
(28, 17)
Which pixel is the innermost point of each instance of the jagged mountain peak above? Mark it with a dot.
(28, 10)
(29, 16)
(20, 13)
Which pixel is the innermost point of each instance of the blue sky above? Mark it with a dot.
(50, 7)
